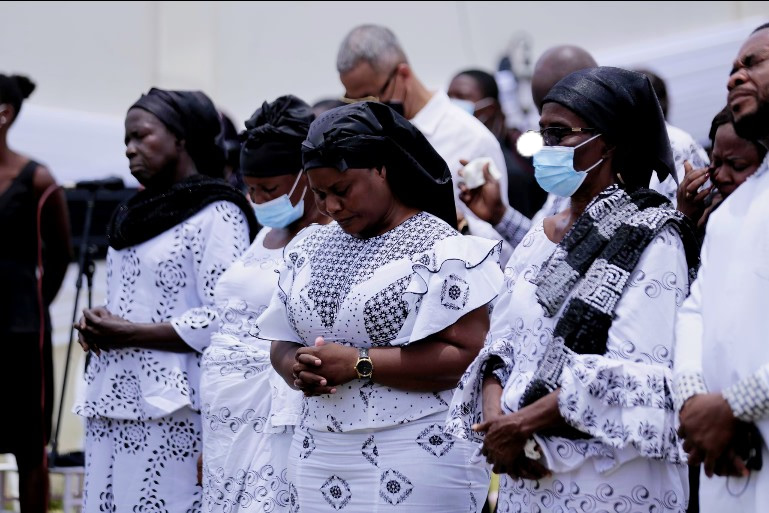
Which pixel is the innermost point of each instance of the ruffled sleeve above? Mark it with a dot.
(215, 238)
(453, 278)
(624, 397)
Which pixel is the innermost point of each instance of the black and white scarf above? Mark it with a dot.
(591, 269)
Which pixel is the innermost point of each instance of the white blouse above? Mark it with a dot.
(621, 399)
(393, 289)
(169, 278)
(237, 348)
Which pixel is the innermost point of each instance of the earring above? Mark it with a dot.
(619, 177)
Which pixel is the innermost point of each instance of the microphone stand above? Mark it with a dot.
(86, 267)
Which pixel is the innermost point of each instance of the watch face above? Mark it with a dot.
(364, 367)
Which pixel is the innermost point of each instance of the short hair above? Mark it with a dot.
(373, 44)
(762, 27)
(660, 89)
(486, 82)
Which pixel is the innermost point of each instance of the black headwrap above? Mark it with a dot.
(371, 134)
(273, 138)
(622, 105)
(189, 115)
(150, 212)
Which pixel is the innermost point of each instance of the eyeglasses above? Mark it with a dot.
(553, 135)
(376, 98)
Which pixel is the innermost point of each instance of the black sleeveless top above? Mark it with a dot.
(19, 309)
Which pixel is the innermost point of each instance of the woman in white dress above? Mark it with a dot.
(573, 389)
(376, 318)
(169, 244)
(248, 410)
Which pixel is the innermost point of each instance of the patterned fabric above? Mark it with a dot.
(142, 465)
(412, 468)
(170, 278)
(687, 385)
(390, 290)
(592, 267)
(685, 149)
(749, 397)
(513, 226)
(248, 410)
(621, 400)
(371, 447)
(588, 493)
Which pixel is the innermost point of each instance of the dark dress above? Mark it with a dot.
(26, 368)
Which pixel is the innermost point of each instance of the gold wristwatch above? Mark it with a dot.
(364, 366)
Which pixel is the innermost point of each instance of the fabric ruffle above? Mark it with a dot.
(458, 275)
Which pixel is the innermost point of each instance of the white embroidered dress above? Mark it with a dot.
(631, 460)
(141, 405)
(371, 447)
(248, 410)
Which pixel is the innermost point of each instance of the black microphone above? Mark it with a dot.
(112, 183)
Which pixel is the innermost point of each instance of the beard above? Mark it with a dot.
(753, 126)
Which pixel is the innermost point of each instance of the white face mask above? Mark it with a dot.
(279, 212)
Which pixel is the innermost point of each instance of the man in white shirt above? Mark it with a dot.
(373, 66)
(721, 371)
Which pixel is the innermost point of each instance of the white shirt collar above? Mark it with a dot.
(428, 118)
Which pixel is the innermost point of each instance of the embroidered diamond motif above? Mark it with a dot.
(385, 313)
(435, 441)
(337, 492)
(455, 292)
(370, 451)
(394, 487)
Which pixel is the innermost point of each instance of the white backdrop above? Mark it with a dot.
(91, 60)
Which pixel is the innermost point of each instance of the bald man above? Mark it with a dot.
(556, 63)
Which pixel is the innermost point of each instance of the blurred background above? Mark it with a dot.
(92, 60)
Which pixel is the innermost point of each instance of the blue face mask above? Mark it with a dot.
(279, 212)
(554, 169)
(465, 105)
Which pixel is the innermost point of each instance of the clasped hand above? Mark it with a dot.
(99, 329)
(503, 446)
(707, 430)
(320, 369)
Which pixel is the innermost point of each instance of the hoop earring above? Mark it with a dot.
(619, 177)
